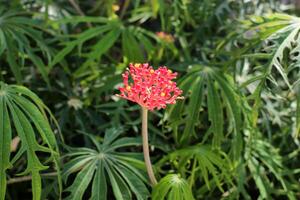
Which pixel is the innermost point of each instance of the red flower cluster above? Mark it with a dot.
(152, 89)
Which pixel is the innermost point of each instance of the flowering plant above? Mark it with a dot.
(151, 89)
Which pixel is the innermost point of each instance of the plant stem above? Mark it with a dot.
(28, 178)
(146, 146)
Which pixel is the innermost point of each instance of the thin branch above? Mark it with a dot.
(79, 11)
(27, 178)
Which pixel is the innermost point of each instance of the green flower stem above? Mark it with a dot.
(146, 146)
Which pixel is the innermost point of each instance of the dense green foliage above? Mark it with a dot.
(65, 134)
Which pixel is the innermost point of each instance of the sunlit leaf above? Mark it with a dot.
(172, 187)
(104, 168)
(29, 120)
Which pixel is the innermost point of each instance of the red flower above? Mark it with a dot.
(152, 89)
(165, 37)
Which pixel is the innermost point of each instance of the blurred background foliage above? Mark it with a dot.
(234, 136)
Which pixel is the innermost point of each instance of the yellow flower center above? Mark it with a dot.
(137, 65)
(151, 71)
(170, 71)
(163, 94)
(128, 88)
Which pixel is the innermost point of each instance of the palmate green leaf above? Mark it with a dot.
(37, 118)
(16, 34)
(278, 55)
(264, 26)
(277, 36)
(26, 134)
(80, 39)
(172, 111)
(200, 84)
(264, 162)
(209, 164)
(131, 44)
(172, 187)
(43, 128)
(29, 120)
(37, 112)
(106, 33)
(282, 32)
(104, 167)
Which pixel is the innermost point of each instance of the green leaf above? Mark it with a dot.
(119, 169)
(38, 120)
(82, 19)
(40, 65)
(61, 54)
(234, 109)
(134, 182)
(24, 113)
(297, 131)
(277, 57)
(103, 45)
(5, 134)
(131, 47)
(172, 115)
(172, 187)
(215, 112)
(126, 141)
(26, 133)
(81, 182)
(255, 170)
(99, 190)
(80, 39)
(120, 189)
(193, 109)
(11, 59)
(209, 164)
(21, 38)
